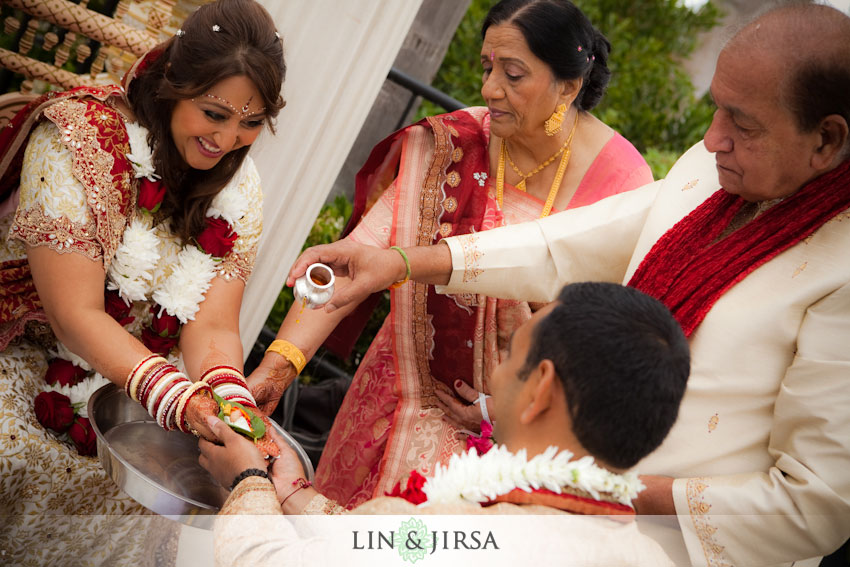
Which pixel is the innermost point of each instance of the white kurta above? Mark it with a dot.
(761, 448)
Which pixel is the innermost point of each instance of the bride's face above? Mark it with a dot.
(229, 116)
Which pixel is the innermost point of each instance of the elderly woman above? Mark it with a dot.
(136, 228)
(534, 150)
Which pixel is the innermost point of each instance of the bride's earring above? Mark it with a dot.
(553, 124)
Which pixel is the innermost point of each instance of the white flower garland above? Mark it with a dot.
(131, 272)
(480, 478)
(140, 154)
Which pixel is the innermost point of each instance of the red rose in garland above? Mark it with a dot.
(164, 325)
(116, 308)
(64, 372)
(151, 194)
(413, 493)
(157, 344)
(54, 411)
(82, 434)
(483, 442)
(218, 238)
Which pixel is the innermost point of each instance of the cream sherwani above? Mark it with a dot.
(761, 448)
(251, 532)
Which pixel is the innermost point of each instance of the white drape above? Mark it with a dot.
(338, 53)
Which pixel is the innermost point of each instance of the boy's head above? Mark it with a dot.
(608, 361)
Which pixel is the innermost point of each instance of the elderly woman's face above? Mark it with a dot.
(229, 116)
(520, 89)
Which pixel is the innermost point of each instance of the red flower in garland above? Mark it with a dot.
(54, 411)
(64, 372)
(116, 308)
(218, 238)
(157, 344)
(151, 194)
(413, 493)
(164, 325)
(83, 436)
(483, 442)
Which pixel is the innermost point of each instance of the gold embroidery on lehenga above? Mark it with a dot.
(457, 155)
(111, 196)
(36, 228)
(705, 530)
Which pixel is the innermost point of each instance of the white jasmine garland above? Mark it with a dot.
(131, 270)
(80, 392)
(140, 156)
(183, 291)
(480, 478)
(135, 265)
(65, 353)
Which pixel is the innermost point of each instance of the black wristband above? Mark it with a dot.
(246, 473)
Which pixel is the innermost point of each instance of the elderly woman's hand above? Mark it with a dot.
(237, 453)
(268, 382)
(462, 415)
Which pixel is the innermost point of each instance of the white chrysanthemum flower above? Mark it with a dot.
(140, 156)
(131, 270)
(230, 204)
(478, 479)
(80, 393)
(182, 292)
(65, 354)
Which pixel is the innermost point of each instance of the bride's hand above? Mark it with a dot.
(198, 409)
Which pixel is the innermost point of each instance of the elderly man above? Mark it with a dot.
(749, 251)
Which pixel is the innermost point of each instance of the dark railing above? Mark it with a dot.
(418, 88)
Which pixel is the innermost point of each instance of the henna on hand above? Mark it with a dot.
(198, 408)
(267, 390)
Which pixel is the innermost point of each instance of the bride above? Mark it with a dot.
(136, 226)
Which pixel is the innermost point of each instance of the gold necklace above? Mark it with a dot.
(556, 183)
(540, 167)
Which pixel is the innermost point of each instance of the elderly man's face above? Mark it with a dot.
(760, 152)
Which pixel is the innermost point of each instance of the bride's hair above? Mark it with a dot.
(222, 39)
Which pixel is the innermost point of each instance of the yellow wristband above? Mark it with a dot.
(290, 352)
(406, 264)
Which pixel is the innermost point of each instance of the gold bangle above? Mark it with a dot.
(406, 265)
(290, 352)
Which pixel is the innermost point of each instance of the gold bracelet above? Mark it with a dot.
(290, 352)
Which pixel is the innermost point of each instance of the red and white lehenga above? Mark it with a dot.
(67, 153)
(424, 183)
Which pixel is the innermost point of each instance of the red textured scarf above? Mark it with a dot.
(689, 269)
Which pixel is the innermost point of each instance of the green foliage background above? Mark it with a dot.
(650, 99)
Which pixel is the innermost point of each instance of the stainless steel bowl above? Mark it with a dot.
(159, 469)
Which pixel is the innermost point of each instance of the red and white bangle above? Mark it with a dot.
(157, 385)
(136, 376)
(200, 388)
(229, 384)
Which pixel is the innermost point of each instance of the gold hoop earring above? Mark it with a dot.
(553, 124)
